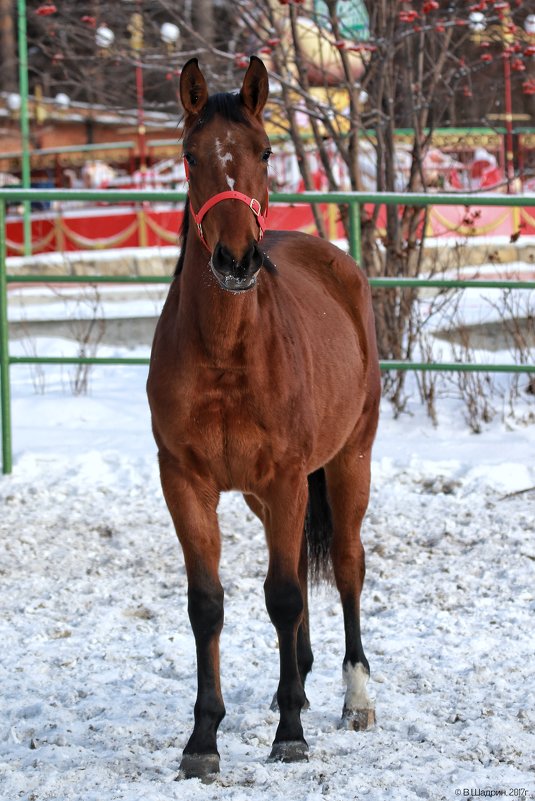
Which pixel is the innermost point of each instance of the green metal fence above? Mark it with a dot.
(353, 200)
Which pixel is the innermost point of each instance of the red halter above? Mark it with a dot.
(230, 194)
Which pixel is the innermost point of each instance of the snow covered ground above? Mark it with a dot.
(97, 662)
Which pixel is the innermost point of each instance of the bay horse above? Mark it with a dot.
(264, 378)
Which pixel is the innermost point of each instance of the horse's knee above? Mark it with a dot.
(284, 602)
(205, 609)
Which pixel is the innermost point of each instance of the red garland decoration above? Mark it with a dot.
(408, 16)
(45, 11)
(517, 65)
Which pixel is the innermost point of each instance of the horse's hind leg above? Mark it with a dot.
(348, 483)
(193, 509)
(284, 523)
(305, 657)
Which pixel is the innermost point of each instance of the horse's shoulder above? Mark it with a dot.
(320, 256)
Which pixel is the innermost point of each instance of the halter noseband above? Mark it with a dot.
(230, 194)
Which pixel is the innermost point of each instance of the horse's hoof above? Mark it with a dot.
(199, 766)
(289, 751)
(358, 719)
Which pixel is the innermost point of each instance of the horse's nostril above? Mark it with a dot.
(225, 264)
(222, 260)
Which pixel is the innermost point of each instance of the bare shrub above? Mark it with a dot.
(87, 328)
(516, 310)
(88, 333)
(476, 389)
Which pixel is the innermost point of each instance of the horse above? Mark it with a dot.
(264, 379)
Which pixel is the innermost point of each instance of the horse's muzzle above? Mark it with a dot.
(236, 275)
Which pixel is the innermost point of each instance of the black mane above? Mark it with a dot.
(183, 237)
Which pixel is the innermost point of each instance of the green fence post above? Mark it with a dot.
(5, 394)
(354, 232)
(24, 123)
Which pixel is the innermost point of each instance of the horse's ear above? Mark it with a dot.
(255, 88)
(193, 88)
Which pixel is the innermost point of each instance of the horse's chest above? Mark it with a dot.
(219, 396)
(223, 421)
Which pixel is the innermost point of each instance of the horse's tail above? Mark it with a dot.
(319, 528)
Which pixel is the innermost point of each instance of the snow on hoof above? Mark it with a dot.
(290, 751)
(358, 719)
(199, 766)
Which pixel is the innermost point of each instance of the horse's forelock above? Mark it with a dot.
(228, 105)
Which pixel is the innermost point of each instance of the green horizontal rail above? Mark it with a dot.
(388, 198)
(58, 151)
(339, 198)
(88, 279)
(450, 283)
(386, 364)
(83, 149)
(456, 367)
(392, 283)
(112, 360)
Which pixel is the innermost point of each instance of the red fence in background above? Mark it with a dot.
(103, 227)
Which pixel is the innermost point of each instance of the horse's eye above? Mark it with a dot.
(266, 154)
(189, 158)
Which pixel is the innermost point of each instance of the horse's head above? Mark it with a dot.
(226, 151)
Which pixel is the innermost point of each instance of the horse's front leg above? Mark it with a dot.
(193, 509)
(284, 523)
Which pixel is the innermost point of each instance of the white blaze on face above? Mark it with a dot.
(224, 159)
(356, 679)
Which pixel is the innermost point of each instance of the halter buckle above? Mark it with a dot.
(255, 207)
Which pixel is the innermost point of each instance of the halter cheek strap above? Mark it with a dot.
(230, 194)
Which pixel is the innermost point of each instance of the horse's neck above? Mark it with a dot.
(221, 322)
